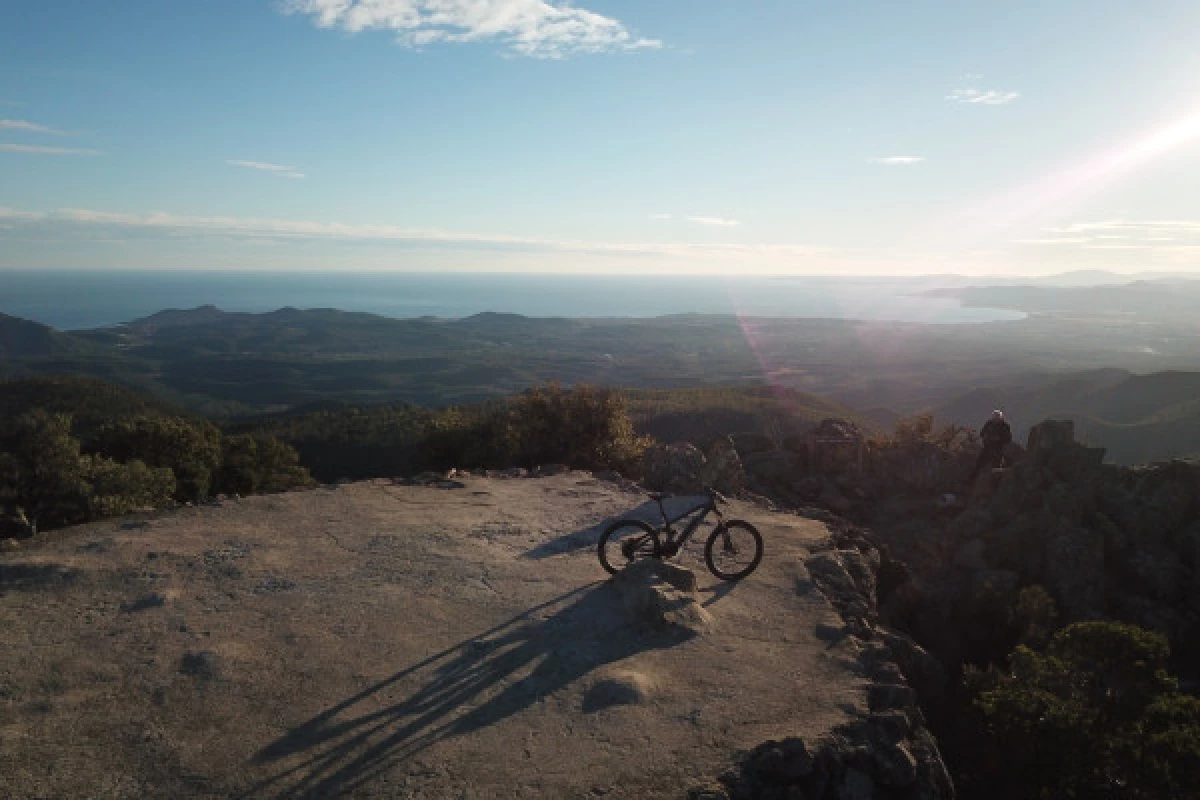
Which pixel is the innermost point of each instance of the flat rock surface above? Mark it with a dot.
(379, 640)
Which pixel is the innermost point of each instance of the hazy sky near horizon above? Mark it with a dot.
(672, 136)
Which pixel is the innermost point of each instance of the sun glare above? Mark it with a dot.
(1063, 190)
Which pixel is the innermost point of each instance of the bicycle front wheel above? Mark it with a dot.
(626, 541)
(734, 550)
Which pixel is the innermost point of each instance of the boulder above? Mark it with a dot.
(893, 765)
(933, 778)
(829, 571)
(1052, 445)
(886, 755)
(888, 696)
(1050, 435)
(651, 595)
(832, 498)
(919, 667)
(782, 763)
(862, 568)
(620, 689)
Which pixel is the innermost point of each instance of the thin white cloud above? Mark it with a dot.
(241, 228)
(33, 149)
(1162, 239)
(988, 97)
(898, 161)
(537, 28)
(28, 127)
(1132, 228)
(262, 166)
(716, 222)
(1056, 240)
(17, 215)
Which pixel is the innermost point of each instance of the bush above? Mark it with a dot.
(47, 481)
(254, 463)
(121, 488)
(584, 427)
(1095, 714)
(352, 442)
(919, 429)
(191, 450)
(42, 474)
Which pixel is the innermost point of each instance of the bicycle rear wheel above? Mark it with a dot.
(734, 550)
(626, 541)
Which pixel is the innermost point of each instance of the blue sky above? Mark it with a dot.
(673, 136)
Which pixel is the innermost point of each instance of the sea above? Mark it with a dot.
(79, 299)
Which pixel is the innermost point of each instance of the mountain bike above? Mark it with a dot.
(733, 550)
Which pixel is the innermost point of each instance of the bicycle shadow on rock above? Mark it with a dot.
(35, 577)
(585, 538)
(477, 683)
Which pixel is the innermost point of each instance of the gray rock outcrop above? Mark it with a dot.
(662, 597)
(686, 469)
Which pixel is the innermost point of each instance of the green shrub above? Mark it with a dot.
(42, 474)
(190, 449)
(46, 480)
(1094, 714)
(254, 463)
(585, 427)
(121, 488)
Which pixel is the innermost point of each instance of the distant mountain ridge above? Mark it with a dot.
(1130, 384)
(1153, 299)
(22, 338)
(175, 317)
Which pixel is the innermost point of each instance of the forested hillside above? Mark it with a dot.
(235, 364)
(74, 449)
(22, 338)
(686, 377)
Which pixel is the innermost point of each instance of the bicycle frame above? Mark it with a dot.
(673, 542)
